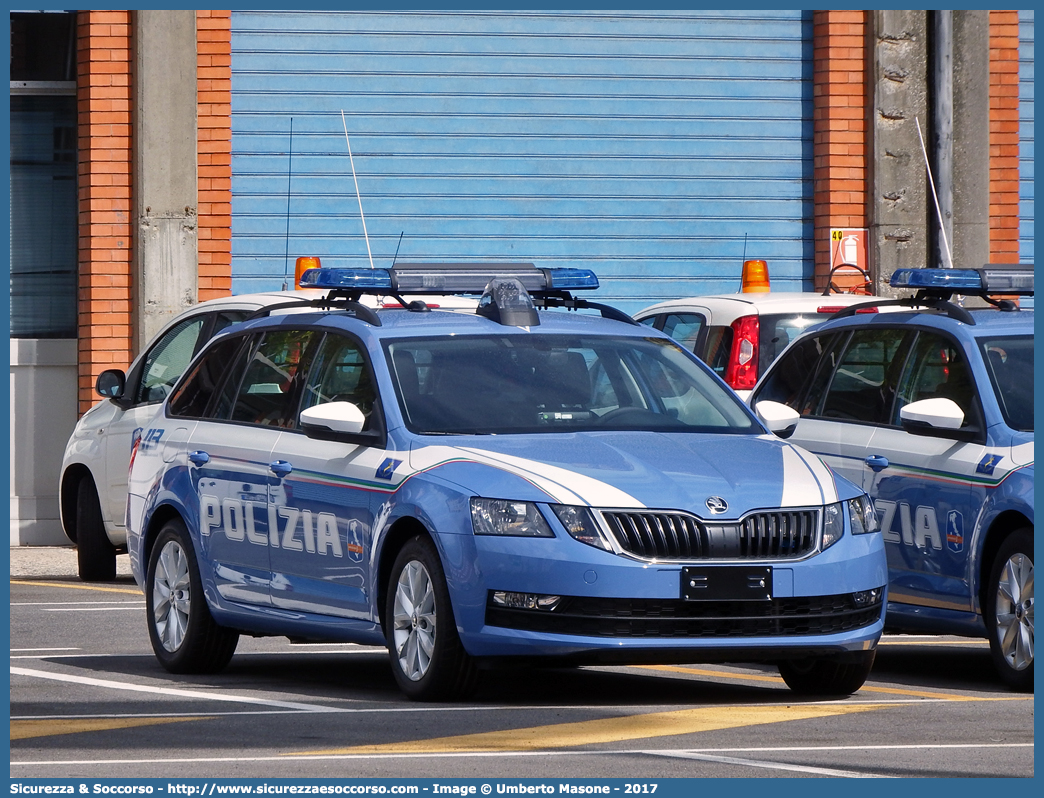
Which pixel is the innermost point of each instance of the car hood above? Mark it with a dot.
(636, 470)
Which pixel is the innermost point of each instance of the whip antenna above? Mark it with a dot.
(935, 195)
(357, 195)
(395, 257)
(289, 172)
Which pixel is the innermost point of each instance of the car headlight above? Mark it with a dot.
(577, 522)
(862, 519)
(861, 516)
(833, 524)
(504, 517)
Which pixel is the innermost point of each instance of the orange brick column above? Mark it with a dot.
(214, 93)
(103, 93)
(1004, 137)
(839, 140)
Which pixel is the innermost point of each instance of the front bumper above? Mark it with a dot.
(613, 608)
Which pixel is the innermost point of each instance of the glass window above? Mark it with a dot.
(43, 217)
(938, 368)
(717, 349)
(191, 398)
(685, 328)
(272, 383)
(493, 385)
(167, 360)
(864, 383)
(340, 373)
(777, 330)
(1009, 361)
(791, 378)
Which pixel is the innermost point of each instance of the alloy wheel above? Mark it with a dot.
(413, 618)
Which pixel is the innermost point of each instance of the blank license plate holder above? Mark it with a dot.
(726, 583)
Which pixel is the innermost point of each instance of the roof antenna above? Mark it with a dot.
(289, 172)
(396, 256)
(935, 195)
(357, 196)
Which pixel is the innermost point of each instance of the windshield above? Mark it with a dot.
(1009, 361)
(556, 383)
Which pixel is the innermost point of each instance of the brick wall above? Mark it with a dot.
(1004, 137)
(214, 98)
(104, 104)
(839, 132)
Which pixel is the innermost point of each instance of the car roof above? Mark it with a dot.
(400, 323)
(988, 322)
(763, 302)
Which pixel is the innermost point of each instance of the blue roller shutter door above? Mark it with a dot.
(656, 149)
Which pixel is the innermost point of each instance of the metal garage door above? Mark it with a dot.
(656, 148)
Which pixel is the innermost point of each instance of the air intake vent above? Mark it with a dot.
(672, 535)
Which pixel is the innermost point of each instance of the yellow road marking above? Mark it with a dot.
(27, 729)
(746, 677)
(606, 730)
(79, 587)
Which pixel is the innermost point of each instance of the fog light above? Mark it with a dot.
(525, 601)
(867, 598)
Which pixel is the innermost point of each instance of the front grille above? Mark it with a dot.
(662, 618)
(672, 535)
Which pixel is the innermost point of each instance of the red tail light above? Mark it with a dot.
(742, 371)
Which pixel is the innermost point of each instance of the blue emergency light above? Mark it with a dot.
(1013, 279)
(448, 278)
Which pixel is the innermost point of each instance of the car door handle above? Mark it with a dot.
(876, 462)
(199, 457)
(280, 467)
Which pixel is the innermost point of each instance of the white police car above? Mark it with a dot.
(506, 482)
(93, 479)
(931, 411)
(739, 335)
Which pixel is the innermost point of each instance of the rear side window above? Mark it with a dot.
(776, 331)
(685, 328)
(790, 380)
(716, 349)
(195, 392)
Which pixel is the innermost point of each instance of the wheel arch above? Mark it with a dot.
(162, 514)
(1002, 526)
(401, 531)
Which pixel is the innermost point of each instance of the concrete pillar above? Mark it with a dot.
(165, 168)
(971, 139)
(898, 182)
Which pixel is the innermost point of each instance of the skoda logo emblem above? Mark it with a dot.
(717, 505)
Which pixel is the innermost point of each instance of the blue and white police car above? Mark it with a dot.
(930, 410)
(516, 481)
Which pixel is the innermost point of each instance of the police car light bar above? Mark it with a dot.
(447, 278)
(1015, 279)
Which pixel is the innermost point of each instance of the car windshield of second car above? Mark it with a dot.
(552, 383)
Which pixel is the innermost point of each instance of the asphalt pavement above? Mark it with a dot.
(53, 562)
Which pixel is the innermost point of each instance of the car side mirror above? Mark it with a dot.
(931, 415)
(780, 419)
(343, 417)
(111, 384)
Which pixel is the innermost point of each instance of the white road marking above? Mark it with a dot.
(769, 765)
(19, 650)
(491, 754)
(136, 608)
(138, 688)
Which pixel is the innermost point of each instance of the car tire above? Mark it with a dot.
(95, 554)
(823, 676)
(184, 635)
(1009, 610)
(427, 658)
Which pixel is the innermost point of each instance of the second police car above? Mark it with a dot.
(930, 409)
(509, 482)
